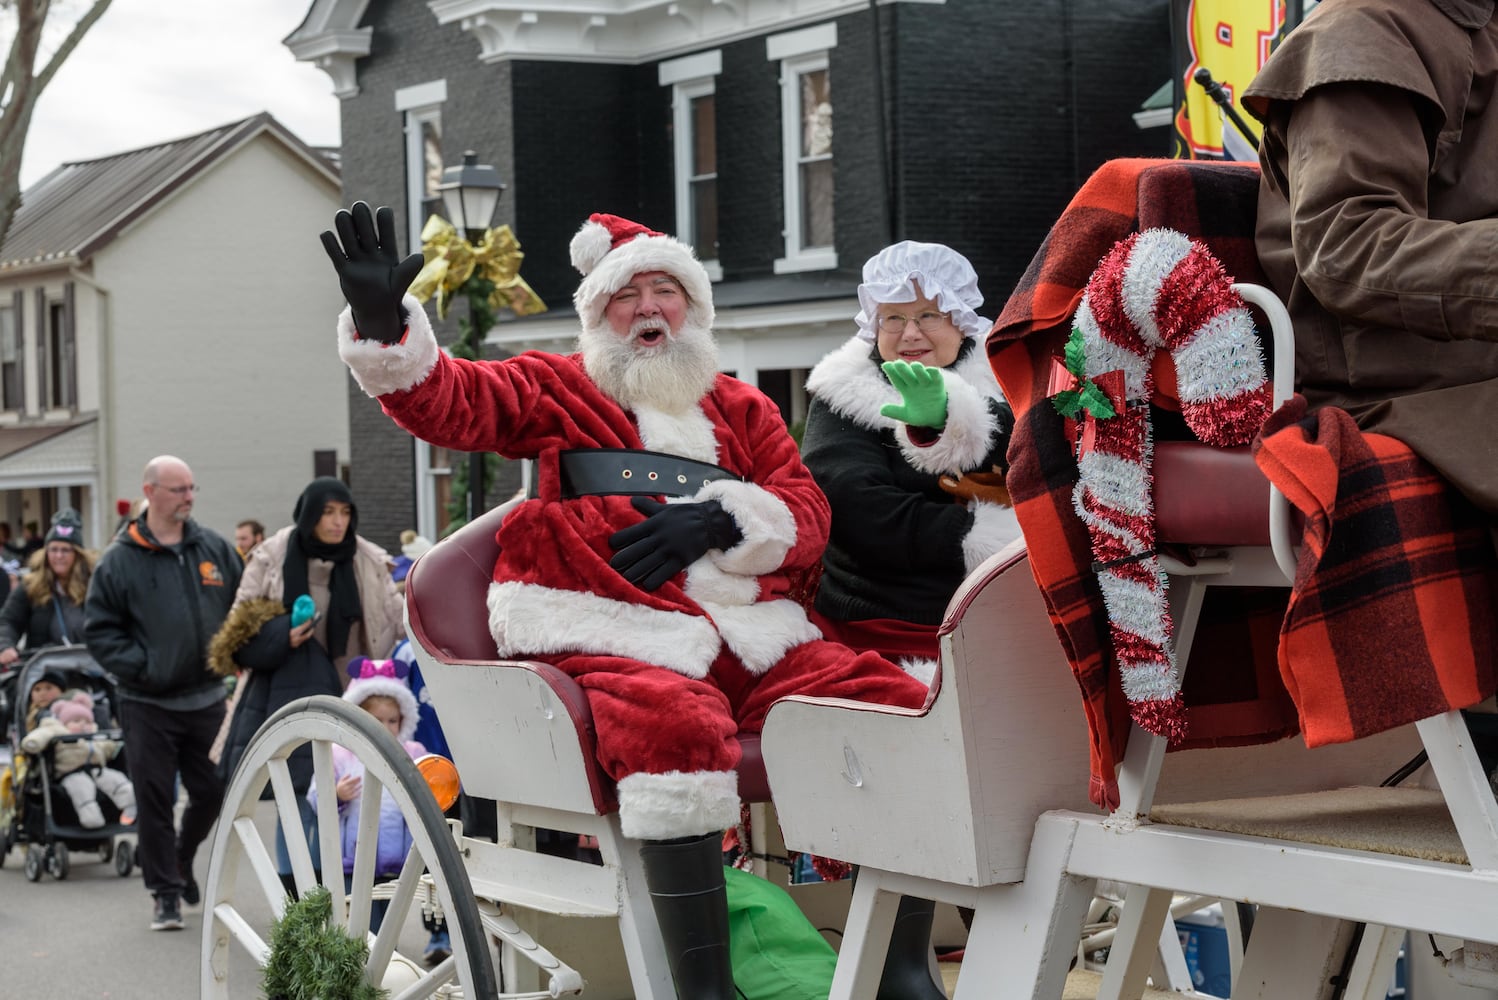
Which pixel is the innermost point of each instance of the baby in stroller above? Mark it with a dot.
(80, 763)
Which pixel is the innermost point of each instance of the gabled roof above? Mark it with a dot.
(80, 207)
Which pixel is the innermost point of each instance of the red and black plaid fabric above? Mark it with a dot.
(1212, 202)
(1391, 620)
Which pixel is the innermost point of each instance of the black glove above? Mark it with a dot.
(373, 278)
(672, 537)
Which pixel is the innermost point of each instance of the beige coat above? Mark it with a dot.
(383, 625)
(70, 756)
(1378, 220)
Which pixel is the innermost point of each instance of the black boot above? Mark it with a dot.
(907, 966)
(685, 879)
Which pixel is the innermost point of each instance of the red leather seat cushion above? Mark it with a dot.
(1209, 496)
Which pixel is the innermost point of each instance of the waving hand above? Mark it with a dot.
(370, 270)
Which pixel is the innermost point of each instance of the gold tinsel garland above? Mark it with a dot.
(451, 260)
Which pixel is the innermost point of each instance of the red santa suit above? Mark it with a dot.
(674, 674)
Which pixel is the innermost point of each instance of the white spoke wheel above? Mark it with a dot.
(243, 859)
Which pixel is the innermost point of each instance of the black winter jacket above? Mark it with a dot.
(899, 544)
(257, 637)
(151, 611)
(36, 623)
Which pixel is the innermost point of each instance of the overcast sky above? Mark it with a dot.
(153, 70)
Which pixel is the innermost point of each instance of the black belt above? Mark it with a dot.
(633, 472)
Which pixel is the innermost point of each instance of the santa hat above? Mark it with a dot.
(385, 678)
(609, 251)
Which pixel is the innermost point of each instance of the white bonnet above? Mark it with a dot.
(944, 275)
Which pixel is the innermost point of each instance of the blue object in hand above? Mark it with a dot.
(302, 610)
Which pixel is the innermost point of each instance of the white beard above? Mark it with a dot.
(670, 378)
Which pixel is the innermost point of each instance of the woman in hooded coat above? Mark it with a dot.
(357, 613)
(906, 434)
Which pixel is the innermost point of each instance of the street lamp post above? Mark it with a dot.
(470, 194)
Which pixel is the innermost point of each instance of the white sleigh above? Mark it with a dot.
(980, 801)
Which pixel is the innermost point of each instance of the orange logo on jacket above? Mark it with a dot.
(211, 577)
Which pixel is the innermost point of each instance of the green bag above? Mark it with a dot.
(777, 954)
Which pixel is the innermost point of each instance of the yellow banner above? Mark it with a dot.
(1232, 39)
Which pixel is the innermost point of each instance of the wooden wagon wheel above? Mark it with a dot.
(241, 848)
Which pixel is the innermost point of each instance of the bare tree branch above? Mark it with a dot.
(21, 86)
(70, 43)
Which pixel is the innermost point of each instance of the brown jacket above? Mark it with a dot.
(1378, 219)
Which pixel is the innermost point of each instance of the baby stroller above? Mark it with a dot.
(35, 809)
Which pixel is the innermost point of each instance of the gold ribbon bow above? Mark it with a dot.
(451, 261)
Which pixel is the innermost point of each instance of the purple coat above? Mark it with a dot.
(395, 839)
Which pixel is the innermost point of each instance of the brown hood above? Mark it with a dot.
(243, 622)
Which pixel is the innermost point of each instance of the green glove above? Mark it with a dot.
(923, 392)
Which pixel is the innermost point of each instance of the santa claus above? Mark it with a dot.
(654, 564)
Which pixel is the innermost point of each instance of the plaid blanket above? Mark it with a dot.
(1391, 619)
(1215, 203)
(1397, 570)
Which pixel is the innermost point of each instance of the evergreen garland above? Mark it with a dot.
(313, 959)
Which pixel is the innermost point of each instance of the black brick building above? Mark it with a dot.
(967, 122)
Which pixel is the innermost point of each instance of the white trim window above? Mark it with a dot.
(806, 141)
(694, 123)
(12, 360)
(421, 108)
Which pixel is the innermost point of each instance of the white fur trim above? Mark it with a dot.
(966, 439)
(527, 619)
(921, 669)
(760, 634)
(849, 381)
(361, 689)
(768, 526)
(688, 434)
(677, 804)
(709, 584)
(994, 526)
(589, 245)
(380, 369)
(639, 255)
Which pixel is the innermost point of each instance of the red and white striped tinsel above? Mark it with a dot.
(1157, 289)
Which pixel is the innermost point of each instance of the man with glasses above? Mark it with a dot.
(160, 592)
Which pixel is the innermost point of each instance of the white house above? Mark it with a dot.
(172, 300)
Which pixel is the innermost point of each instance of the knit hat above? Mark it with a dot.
(945, 276)
(51, 677)
(386, 678)
(67, 710)
(609, 251)
(67, 526)
(414, 546)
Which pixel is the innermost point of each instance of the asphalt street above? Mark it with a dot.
(89, 935)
